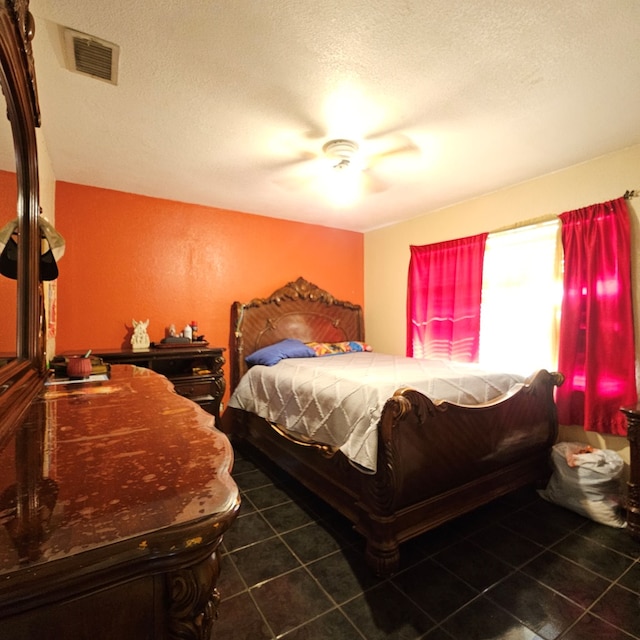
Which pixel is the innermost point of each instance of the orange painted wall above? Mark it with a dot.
(131, 256)
(8, 290)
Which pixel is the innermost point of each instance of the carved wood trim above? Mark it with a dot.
(299, 309)
(633, 484)
(194, 600)
(21, 382)
(325, 450)
(25, 26)
(300, 289)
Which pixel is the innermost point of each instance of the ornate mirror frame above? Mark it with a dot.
(22, 378)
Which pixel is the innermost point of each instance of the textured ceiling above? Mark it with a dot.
(225, 103)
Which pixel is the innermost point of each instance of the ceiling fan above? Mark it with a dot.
(342, 163)
(343, 154)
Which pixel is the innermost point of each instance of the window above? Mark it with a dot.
(521, 298)
(544, 303)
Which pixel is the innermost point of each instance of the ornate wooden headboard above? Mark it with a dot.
(299, 310)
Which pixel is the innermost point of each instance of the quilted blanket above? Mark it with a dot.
(338, 400)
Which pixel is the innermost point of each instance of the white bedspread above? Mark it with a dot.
(337, 400)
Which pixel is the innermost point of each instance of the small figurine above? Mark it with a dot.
(140, 338)
(172, 331)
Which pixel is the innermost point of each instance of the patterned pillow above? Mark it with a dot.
(336, 348)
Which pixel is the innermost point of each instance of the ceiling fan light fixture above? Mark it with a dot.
(343, 154)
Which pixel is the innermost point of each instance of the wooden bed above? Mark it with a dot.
(434, 461)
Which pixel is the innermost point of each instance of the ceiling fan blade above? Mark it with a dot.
(372, 183)
(302, 157)
(408, 148)
(296, 183)
(306, 167)
(287, 111)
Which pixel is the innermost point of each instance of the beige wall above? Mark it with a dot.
(387, 250)
(46, 179)
(47, 196)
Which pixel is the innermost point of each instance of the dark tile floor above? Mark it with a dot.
(518, 569)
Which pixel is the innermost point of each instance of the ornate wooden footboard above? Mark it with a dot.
(435, 461)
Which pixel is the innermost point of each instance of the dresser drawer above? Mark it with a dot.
(195, 388)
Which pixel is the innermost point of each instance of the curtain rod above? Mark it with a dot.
(526, 223)
(628, 194)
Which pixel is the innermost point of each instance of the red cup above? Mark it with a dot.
(78, 367)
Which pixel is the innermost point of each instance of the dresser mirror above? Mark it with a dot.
(21, 368)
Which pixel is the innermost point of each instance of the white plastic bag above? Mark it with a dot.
(587, 481)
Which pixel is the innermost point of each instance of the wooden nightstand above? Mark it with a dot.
(196, 372)
(633, 497)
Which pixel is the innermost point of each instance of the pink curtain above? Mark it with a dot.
(596, 346)
(443, 299)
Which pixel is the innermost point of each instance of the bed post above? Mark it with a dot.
(237, 344)
(379, 493)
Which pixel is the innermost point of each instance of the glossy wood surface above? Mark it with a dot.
(107, 484)
(195, 371)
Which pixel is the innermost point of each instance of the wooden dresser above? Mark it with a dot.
(196, 371)
(633, 486)
(114, 497)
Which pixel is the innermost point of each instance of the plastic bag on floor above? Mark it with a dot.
(587, 481)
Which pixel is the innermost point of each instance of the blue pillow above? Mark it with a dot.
(289, 348)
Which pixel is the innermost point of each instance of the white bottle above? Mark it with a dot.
(186, 332)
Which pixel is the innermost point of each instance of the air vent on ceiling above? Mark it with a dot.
(92, 56)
